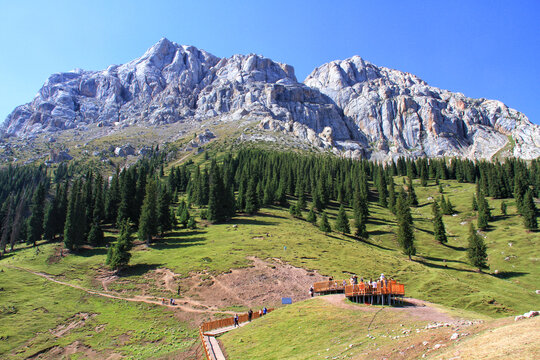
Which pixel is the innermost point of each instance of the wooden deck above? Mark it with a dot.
(385, 293)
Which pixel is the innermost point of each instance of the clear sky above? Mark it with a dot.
(488, 49)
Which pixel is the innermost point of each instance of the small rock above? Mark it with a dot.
(454, 336)
(496, 272)
(538, 292)
(530, 314)
(510, 244)
(438, 346)
(519, 317)
(425, 343)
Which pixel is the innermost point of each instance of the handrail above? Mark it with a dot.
(204, 345)
(226, 322)
(392, 288)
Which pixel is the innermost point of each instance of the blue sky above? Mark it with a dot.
(488, 49)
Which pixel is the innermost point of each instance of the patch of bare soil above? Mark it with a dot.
(77, 347)
(263, 284)
(57, 255)
(76, 321)
(104, 277)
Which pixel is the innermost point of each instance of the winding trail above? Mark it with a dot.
(140, 298)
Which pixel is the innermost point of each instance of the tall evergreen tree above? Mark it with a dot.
(484, 213)
(360, 225)
(503, 208)
(529, 211)
(438, 225)
(413, 199)
(252, 202)
(312, 217)
(118, 255)
(342, 221)
(324, 225)
(391, 196)
(477, 250)
(474, 205)
(405, 233)
(165, 222)
(148, 226)
(382, 189)
(35, 223)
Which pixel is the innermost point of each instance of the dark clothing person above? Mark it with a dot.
(250, 315)
(236, 320)
(265, 310)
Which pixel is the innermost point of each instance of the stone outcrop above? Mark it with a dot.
(352, 107)
(400, 113)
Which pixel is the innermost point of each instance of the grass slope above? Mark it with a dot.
(273, 233)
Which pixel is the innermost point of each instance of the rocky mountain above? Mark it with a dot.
(351, 107)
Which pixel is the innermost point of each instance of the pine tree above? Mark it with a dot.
(191, 224)
(324, 225)
(529, 211)
(477, 251)
(392, 196)
(312, 217)
(360, 225)
(438, 225)
(474, 203)
(413, 200)
(342, 221)
(184, 215)
(382, 189)
(484, 213)
(118, 255)
(95, 235)
(163, 211)
(405, 233)
(252, 202)
(148, 226)
(35, 222)
(503, 208)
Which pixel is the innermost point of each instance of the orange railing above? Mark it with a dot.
(204, 345)
(221, 323)
(327, 286)
(391, 288)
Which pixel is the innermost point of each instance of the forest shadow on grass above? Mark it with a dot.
(444, 267)
(246, 221)
(138, 269)
(433, 258)
(92, 252)
(457, 248)
(177, 243)
(509, 274)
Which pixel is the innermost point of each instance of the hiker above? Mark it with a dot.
(362, 279)
(250, 315)
(344, 283)
(178, 290)
(163, 301)
(236, 320)
(265, 310)
(260, 313)
(172, 302)
(311, 291)
(382, 277)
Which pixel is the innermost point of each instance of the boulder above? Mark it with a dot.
(124, 151)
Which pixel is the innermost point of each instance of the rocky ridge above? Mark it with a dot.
(351, 107)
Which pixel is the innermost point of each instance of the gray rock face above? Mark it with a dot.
(351, 106)
(401, 113)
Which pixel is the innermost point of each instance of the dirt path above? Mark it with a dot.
(144, 299)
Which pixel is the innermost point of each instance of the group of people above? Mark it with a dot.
(262, 312)
(381, 282)
(171, 302)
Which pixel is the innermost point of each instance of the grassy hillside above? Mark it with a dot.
(440, 274)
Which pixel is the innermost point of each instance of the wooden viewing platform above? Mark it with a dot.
(385, 293)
